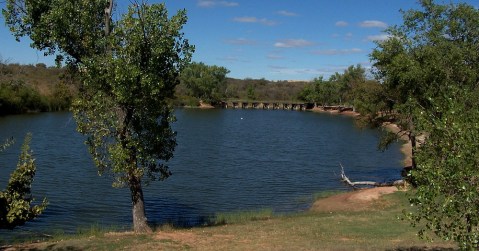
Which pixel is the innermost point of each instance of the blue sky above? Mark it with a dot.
(272, 39)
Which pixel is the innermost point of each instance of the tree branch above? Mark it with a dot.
(364, 184)
(108, 11)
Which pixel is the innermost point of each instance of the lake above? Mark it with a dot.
(226, 160)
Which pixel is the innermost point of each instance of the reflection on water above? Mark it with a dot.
(226, 160)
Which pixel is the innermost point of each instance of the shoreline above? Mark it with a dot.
(405, 148)
(337, 112)
(362, 199)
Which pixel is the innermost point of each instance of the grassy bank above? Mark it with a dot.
(377, 227)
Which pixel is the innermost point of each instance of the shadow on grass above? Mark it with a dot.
(52, 247)
(422, 249)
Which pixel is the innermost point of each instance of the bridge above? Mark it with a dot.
(279, 106)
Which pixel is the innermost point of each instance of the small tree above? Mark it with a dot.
(16, 200)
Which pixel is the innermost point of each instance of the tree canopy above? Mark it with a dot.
(71, 30)
(340, 88)
(16, 200)
(205, 82)
(128, 68)
(429, 68)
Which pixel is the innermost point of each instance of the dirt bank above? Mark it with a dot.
(321, 110)
(204, 105)
(351, 201)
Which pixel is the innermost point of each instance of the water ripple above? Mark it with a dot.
(268, 159)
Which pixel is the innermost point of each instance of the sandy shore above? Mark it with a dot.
(406, 148)
(361, 199)
(321, 110)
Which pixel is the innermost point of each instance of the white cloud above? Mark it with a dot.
(292, 71)
(241, 41)
(306, 72)
(214, 3)
(286, 13)
(274, 56)
(341, 23)
(262, 21)
(337, 52)
(373, 24)
(233, 59)
(293, 43)
(379, 38)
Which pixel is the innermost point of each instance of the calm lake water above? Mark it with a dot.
(226, 160)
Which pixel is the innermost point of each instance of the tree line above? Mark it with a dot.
(29, 88)
(38, 88)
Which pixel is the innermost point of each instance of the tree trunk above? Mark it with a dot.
(412, 138)
(140, 224)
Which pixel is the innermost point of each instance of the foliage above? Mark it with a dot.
(348, 80)
(250, 92)
(69, 29)
(341, 88)
(369, 100)
(262, 89)
(27, 88)
(128, 70)
(6, 144)
(205, 82)
(16, 199)
(123, 107)
(16, 97)
(435, 94)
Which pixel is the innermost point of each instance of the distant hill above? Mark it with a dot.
(32, 88)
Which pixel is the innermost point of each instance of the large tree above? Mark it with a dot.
(128, 69)
(430, 71)
(205, 82)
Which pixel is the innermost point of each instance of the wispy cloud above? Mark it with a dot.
(286, 13)
(292, 71)
(337, 52)
(341, 23)
(293, 43)
(373, 24)
(241, 41)
(304, 73)
(379, 38)
(274, 56)
(233, 59)
(262, 21)
(215, 3)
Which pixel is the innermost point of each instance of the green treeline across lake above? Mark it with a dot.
(34, 88)
(29, 88)
(38, 88)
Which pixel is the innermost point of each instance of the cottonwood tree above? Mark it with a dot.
(206, 82)
(128, 68)
(430, 72)
(123, 107)
(16, 199)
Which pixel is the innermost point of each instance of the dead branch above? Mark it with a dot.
(364, 184)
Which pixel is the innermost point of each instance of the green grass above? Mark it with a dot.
(379, 228)
(242, 216)
(325, 194)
